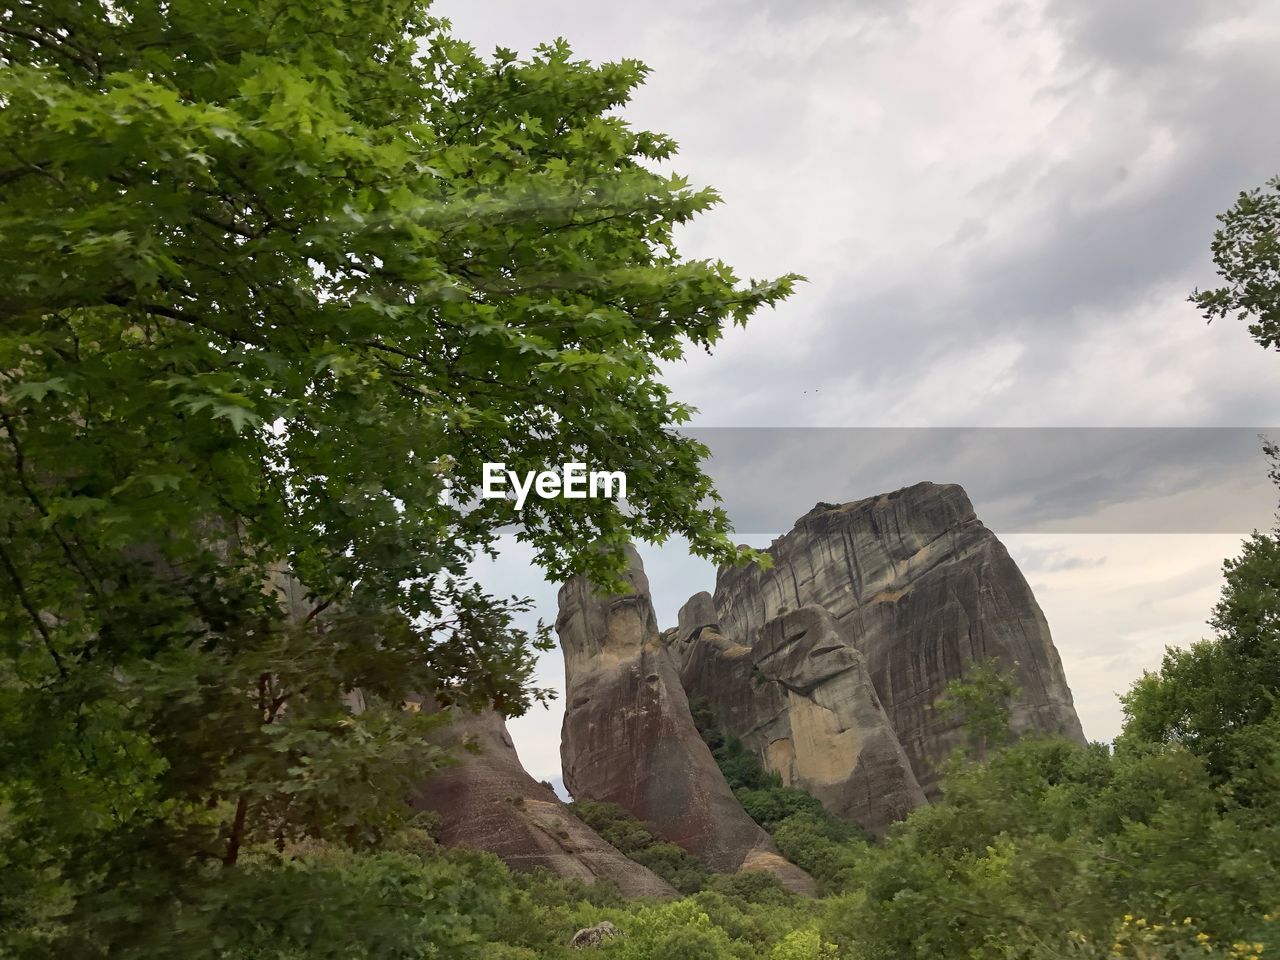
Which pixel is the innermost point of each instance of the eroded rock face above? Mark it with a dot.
(802, 698)
(488, 802)
(629, 738)
(920, 589)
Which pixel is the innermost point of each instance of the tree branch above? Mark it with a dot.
(25, 599)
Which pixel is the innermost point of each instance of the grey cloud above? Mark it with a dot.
(1074, 480)
(1138, 35)
(1077, 263)
(886, 314)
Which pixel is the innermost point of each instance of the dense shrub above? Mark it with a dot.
(637, 841)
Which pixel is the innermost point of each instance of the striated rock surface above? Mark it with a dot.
(488, 802)
(629, 738)
(801, 697)
(918, 588)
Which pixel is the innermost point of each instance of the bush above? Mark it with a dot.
(751, 886)
(676, 931)
(806, 944)
(769, 806)
(636, 840)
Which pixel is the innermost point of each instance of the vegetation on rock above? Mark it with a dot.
(807, 835)
(638, 841)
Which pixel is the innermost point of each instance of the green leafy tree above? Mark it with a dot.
(769, 806)
(981, 700)
(803, 944)
(676, 931)
(1246, 251)
(828, 849)
(1219, 697)
(279, 279)
(751, 886)
(1041, 850)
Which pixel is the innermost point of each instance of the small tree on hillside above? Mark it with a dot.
(980, 699)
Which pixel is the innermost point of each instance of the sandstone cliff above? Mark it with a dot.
(629, 738)
(917, 587)
(802, 698)
(488, 802)
(828, 664)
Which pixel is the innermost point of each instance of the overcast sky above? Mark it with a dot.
(1000, 208)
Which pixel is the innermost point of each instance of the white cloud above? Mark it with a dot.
(1114, 602)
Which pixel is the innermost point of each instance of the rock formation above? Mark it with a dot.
(629, 738)
(488, 802)
(802, 698)
(829, 664)
(915, 585)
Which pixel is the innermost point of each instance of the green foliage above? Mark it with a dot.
(1218, 698)
(750, 886)
(981, 700)
(1246, 251)
(756, 922)
(804, 944)
(275, 289)
(1043, 846)
(637, 841)
(318, 901)
(827, 848)
(676, 931)
(545, 889)
(707, 723)
(770, 806)
(741, 767)
(333, 904)
(1139, 939)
